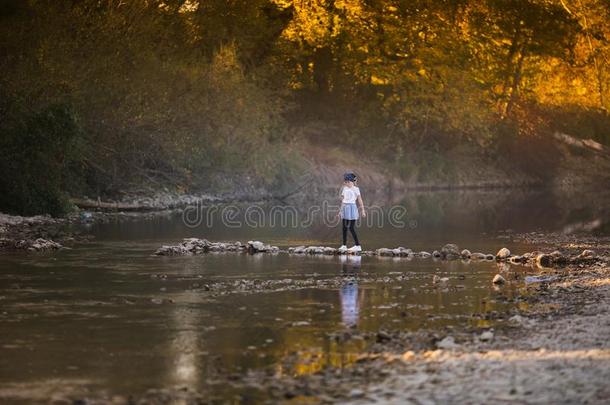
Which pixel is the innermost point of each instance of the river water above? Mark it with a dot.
(107, 317)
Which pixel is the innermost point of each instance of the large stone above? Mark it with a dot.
(517, 259)
(587, 254)
(385, 252)
(503, 254)
(450, 251)
(329, 251)
(544, 260)
(498, 279)
(260, 247)
(448, 343)
(486, 336)
(40, 245)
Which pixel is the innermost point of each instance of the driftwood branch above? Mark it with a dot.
(116, 206)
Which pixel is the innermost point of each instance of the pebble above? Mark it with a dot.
(448, 343)
(486, 336)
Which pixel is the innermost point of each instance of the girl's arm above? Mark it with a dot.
(340, 203)
(361, 206)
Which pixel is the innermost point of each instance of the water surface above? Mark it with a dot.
(110, 318)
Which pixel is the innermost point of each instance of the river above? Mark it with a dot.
(107, 317)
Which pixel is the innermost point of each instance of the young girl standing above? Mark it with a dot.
(350, 196)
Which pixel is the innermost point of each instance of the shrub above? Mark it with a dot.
(36, 155)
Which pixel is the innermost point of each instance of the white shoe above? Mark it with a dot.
(343, 248)
(355, 249)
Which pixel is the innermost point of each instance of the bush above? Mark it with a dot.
(36, 155)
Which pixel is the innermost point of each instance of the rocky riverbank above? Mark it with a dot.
(39, 233)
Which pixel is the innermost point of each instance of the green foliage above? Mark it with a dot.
(37, 155)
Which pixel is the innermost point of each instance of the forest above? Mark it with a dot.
(100, 96)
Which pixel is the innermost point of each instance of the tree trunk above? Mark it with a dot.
(514, 88)
(509, 70)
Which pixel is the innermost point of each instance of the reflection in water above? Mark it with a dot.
(350, 265)
(185, 347)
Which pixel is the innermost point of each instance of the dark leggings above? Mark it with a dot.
(349, 223)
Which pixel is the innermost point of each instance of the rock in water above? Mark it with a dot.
(38, 245)
(516, 259)
(256, 245)
(466, 254)
(478, 256)
(448, 343)
(587, 254)
(498, 279)
(486, 336)
(544, 260)
(450, 251)
(503, 254)
(385, 252)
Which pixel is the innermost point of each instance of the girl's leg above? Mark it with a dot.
(352, 222)
(345, 222)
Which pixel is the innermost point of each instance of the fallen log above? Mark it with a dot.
(115, 206)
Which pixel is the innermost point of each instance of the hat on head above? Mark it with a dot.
(349, 176)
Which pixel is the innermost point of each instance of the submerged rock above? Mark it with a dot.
(478, 256)
(544, 260)
(498, 279)
(189, 246)
(38, 245)
(439, 280)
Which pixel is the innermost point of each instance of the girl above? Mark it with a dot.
(350, 195)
